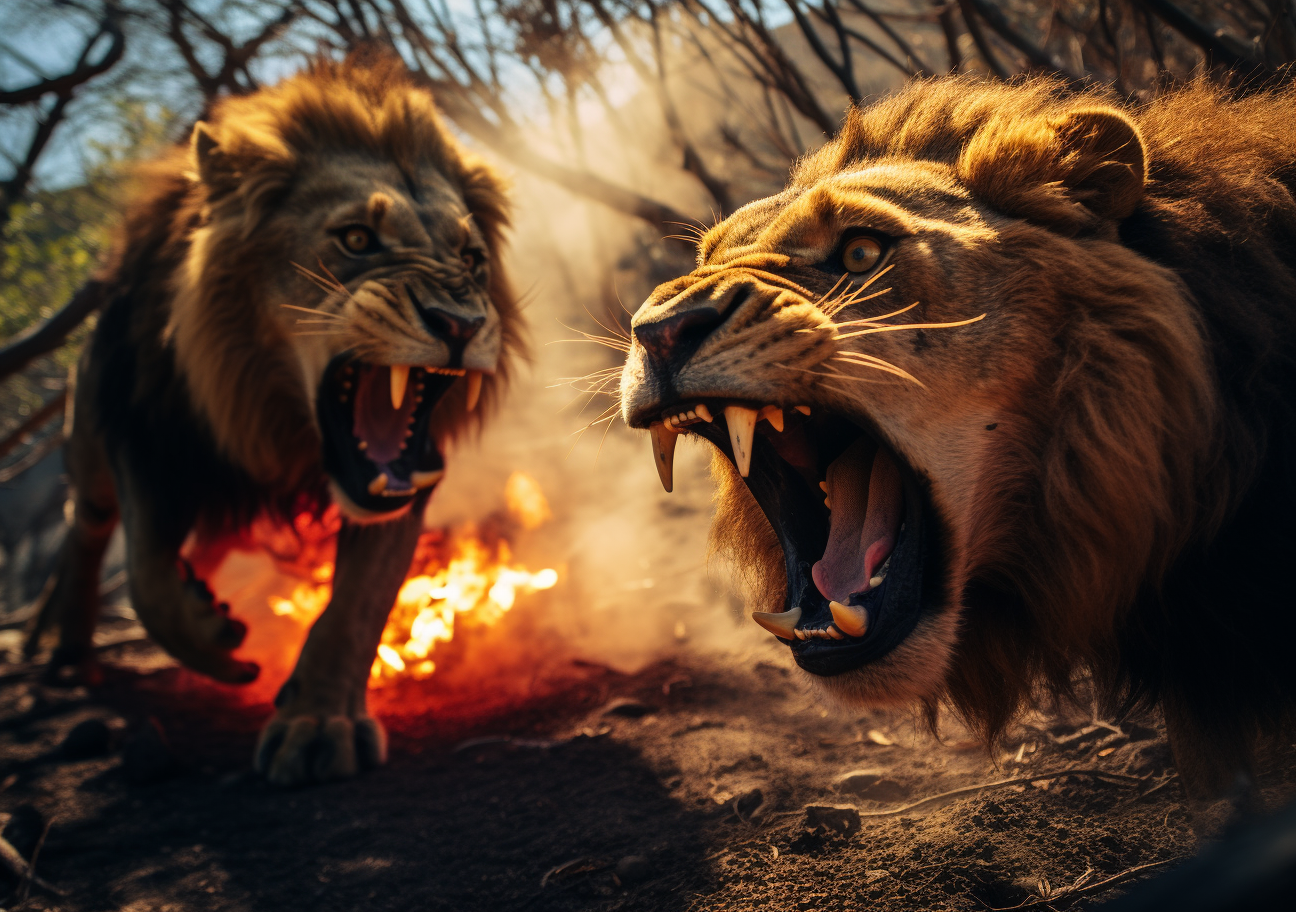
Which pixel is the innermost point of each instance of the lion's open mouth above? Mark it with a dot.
(374, 419)
(854, 526)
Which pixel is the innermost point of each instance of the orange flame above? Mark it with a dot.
(459, 579)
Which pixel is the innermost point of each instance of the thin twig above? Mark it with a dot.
(987, 786)
(1096, 886)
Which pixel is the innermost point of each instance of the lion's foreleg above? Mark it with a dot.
(322, 729)
(177, 610)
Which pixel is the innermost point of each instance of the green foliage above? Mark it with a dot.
(54, 241)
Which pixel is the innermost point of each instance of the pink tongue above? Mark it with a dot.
(379, 425)
(866, 509)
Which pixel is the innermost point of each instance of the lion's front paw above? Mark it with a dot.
(203, 635)
(296, 749)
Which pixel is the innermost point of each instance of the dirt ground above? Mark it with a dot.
(694, 783)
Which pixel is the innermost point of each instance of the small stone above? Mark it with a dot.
(629, 709)
(633, 869)
(872, 785)
(844, 820)
(90, 738)
(749, 804)
(24, 829)
(147, 756)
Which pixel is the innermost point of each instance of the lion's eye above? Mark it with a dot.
(359, 239)
(472, 259)
(861, 254)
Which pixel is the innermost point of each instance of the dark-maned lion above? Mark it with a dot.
(305, 302)
(1098, 476)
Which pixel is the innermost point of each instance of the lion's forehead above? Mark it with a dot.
(421, 208)
(805, 223)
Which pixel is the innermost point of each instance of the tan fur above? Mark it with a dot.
(197, 406)
(1075, 442)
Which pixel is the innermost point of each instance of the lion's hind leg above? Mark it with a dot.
(176, 608)
(73, 602)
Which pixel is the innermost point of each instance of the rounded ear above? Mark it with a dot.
(1066, 170)
(211, 163)
(1105, 160)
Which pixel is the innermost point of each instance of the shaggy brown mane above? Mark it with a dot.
(307, 301)
(368, 103)
(1151, 441)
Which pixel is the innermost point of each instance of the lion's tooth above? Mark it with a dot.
(663, 444)
(704, 413)
(851, 620)
(774, 415)
(835, 633)
(781, 624)
(875, 582)
(426, 479)
(399, 380)
(474, 388)
(378, 485)
(742, 427)
(803, 409)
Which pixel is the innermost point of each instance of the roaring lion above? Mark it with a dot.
(1002, 386)
(306, 302)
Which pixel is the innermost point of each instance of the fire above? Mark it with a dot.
(459, 579)
(476, 588)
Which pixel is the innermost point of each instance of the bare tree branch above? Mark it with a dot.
(64, 89)
(1220, 48)
(47, 336)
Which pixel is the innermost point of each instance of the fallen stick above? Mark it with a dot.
(24, 889)
(1071, 892)
(18, 867)
(986, 786)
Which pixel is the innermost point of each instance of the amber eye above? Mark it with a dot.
(358, 239)
(472, 259)
(861, 254)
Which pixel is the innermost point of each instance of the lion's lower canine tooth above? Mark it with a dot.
(803, 409)
(399, 380)
(781, 624)
(742, 427)
(378, 485)
(704, 413)
(774, 415)
(663, 444)
(474, 388)
(853, 621)
(425, 479)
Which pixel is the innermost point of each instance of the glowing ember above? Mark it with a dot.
(458, 579)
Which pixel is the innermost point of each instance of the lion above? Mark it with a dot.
(306, 303)
(1001, 388)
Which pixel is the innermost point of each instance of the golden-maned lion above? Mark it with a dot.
(1003, 386)
(305, 302)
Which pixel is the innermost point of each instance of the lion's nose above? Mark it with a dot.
(451, 327)
(677, 336)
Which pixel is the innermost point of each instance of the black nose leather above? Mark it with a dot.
(451, 327)
(679, 335)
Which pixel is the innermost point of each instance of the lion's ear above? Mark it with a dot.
(1105, 159)
(211, 163)
(1065, 170)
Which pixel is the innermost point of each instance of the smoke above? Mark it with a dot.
(634, 581)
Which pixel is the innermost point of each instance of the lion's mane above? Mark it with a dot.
(197, 381)
(1141, 528)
